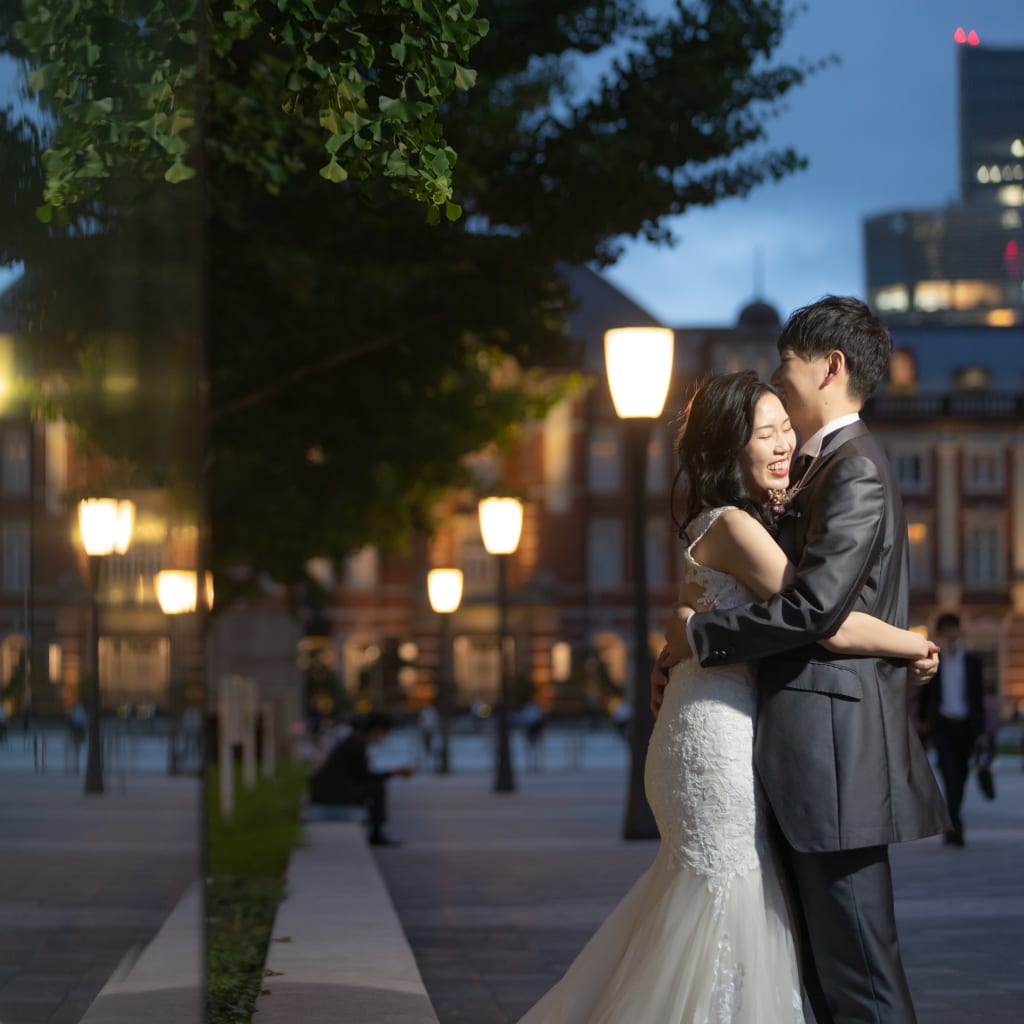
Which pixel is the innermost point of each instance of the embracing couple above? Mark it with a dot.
(783, 762)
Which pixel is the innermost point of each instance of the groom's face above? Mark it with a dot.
(799, 378)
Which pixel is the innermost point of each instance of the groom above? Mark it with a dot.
(844, 772)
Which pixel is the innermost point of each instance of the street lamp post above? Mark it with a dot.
(444, 588)
(501, 523)
(177, 592)
(106, 526)
(639, 364)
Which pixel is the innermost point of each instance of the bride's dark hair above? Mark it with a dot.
(715, 427)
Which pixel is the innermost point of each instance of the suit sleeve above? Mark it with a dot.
(844, 540)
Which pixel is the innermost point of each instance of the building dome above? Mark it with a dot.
(760, 315)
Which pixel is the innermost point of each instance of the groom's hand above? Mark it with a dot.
(923, 669)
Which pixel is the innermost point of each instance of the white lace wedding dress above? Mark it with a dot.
(704, 936)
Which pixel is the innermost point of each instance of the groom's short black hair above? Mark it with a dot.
(845, 323)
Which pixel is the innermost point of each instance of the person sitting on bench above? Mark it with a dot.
(345, 777)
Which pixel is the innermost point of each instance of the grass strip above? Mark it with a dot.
(247, 856)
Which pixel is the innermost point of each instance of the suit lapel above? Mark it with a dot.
(833, 442)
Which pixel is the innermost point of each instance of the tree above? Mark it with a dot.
(354, 349)
(356, 353)
(125, 78)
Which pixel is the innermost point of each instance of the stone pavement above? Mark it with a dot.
(85, 882)
(498, 892)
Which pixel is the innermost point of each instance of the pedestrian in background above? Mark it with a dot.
(345, 777)
(429, 725)
(953, 711)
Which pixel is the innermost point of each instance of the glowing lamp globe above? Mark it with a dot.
(444, 588)
(106, 525)
(501, 523)
(639, 364)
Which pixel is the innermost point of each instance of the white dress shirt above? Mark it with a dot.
(954, 687)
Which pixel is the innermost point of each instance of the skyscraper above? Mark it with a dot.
(991, 97)
(963, 264)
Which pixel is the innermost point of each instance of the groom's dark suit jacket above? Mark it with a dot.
(834, 747)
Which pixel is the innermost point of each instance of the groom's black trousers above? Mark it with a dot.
(850, 955)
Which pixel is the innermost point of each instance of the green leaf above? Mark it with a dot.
(333, 171)
(44, 214)
(465, 78)
(452, 211)
(178, 172)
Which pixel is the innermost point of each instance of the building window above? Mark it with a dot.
(604, 461)
(477, 668)
(15, 474)
(972, 378)
(918, 538)
(561, 661)
(984, 470)
(912, 468)
(984, 553)
(894, 299)
(657, 463)
(362, 569)
(972, 294)
(56, 465)
(657, 555)
(604, 554)
(479, 569)
(130, 578)
(902, 371)
(15, 556)
(134, 668)
(557, 440)
(930, 296)
(55, 663)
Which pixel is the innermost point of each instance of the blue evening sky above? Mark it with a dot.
(880, 132)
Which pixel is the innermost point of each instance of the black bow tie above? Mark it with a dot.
(799, 468)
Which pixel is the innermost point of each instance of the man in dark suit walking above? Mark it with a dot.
(952, 708)
(843, 770)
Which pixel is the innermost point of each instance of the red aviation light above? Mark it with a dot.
(972, 38)
(960, 36)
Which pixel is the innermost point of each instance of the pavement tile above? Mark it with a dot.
(85, 881)
(499, 894)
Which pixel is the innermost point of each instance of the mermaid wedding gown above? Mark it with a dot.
(704, 936)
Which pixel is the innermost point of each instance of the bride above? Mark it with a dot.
(705, 935)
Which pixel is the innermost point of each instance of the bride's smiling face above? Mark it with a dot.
(764, 461)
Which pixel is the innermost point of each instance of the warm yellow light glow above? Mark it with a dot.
(125, 526)
(893, 299)
(6, 368)
(105, 525)
(1011, 195)
(501, 523)
(933, 295)
(1017, 147)
(176, 590)
(1001, 318)
(916, 532)
(444, 588)
(639, 364)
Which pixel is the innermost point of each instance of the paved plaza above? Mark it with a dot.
(85, 882)
(498, 892)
